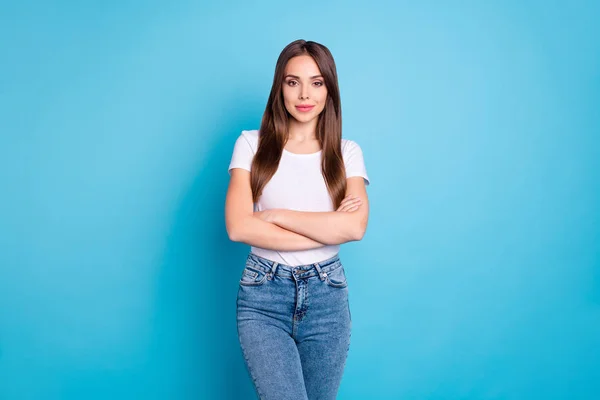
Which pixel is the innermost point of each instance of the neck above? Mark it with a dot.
(299, 131)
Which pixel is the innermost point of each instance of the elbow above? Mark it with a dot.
(236, 229)
(234, 234)
(358, 236)
(359, 232)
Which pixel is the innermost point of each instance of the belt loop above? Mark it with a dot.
(273, 268)
(322, 275)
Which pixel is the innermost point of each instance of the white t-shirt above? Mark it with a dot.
(298, 184)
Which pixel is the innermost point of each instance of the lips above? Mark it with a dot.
(304, 108)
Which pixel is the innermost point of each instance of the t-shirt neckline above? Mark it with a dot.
(302, 154)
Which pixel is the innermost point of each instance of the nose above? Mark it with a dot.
(304, 92)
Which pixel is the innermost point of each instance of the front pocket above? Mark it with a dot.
(336, 278)
(252, 277)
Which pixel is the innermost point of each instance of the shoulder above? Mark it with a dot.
(349, 148)
(250, 136)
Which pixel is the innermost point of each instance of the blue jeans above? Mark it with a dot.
(294, 327)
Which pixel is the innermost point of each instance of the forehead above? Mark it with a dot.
(302, 65)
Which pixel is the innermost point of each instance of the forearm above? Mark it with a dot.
(324, 227)
(266, 235)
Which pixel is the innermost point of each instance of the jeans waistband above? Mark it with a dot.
(300, 271)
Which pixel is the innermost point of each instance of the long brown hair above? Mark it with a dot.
(273, 133)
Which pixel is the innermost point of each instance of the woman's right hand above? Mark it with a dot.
(349, 204)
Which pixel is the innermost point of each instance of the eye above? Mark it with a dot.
(291, 81)
(319, 83)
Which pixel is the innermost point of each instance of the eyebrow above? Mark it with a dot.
(297, 77)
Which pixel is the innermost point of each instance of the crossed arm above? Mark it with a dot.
(288, 230)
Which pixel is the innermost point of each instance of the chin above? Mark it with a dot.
(304, 117)
(304, 120)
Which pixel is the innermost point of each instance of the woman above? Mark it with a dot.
(296, 192)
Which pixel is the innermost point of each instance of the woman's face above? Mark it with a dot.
(303, 85)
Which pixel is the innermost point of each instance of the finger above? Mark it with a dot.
(347, 204)
(343, 207)
(353, 203)
(350, 208)
(352, 200)
(343, 204)
(348, 201)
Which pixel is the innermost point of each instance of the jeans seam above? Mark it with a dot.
(254, 380)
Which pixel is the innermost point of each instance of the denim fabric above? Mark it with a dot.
(294, 327)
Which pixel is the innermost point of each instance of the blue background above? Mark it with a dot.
(479, 275)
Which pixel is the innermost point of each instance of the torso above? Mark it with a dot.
(298, 184)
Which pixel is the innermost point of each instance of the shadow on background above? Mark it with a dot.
(195, 326)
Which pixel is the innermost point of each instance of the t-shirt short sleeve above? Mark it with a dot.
(242, 154)
(354, 161)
